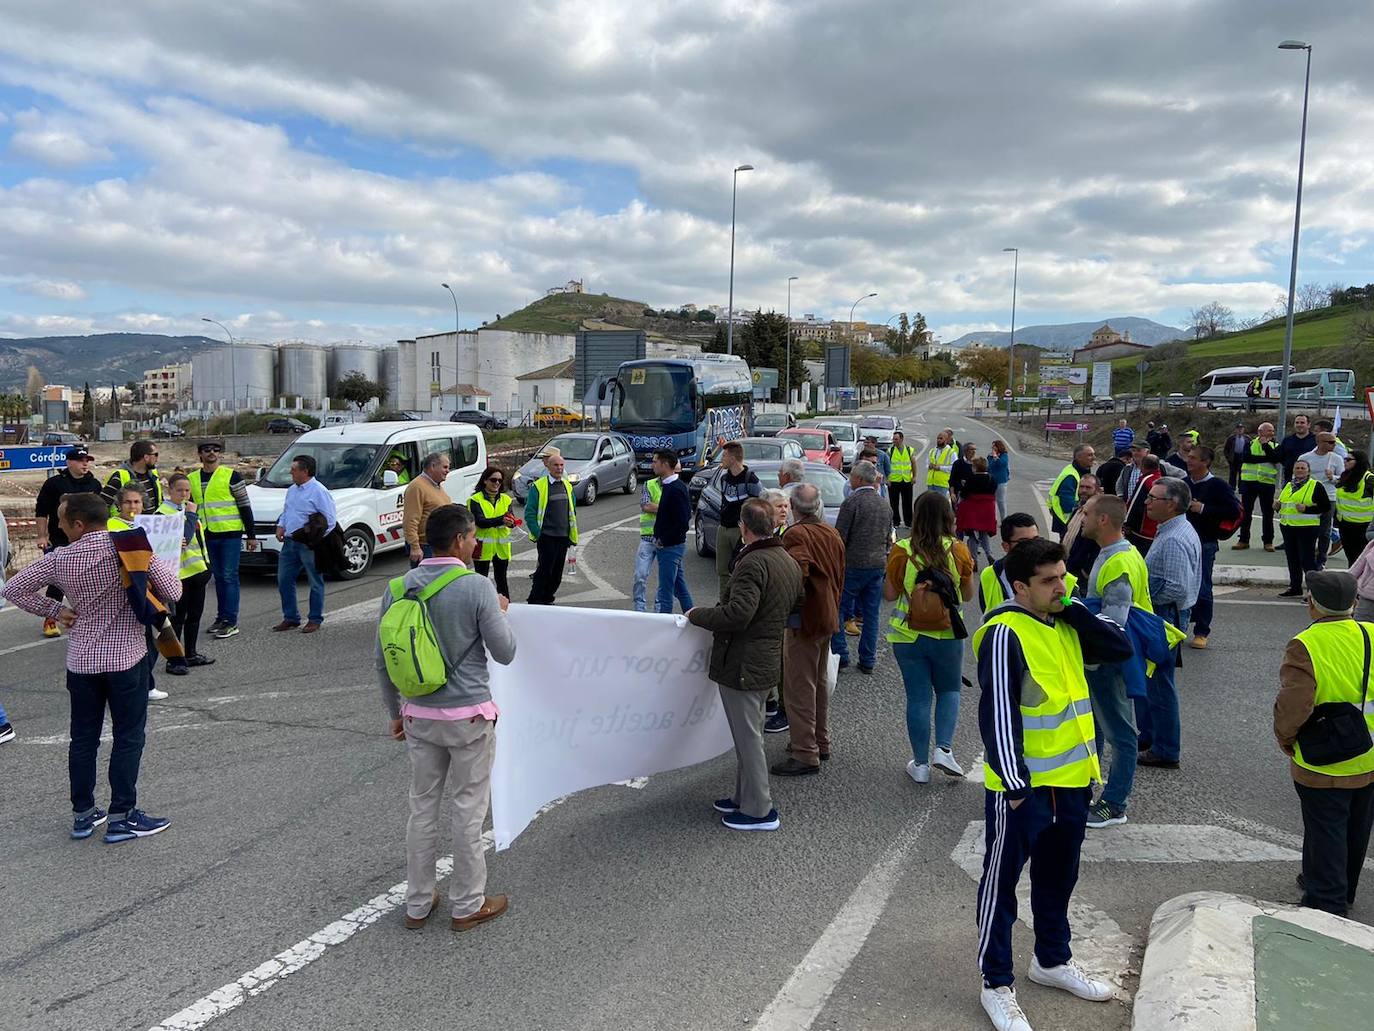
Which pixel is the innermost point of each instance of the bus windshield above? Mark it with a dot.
(657, 397)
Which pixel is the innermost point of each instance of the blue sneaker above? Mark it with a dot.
(725, 805)
(136, 824)
(84, 826)
(738, 821)
(776, 723)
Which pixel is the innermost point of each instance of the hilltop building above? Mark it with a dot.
(1106, 344)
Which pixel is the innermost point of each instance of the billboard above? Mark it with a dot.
(1102, 379)
(836, 366)
(1055, 373)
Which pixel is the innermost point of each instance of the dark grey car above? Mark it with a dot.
(593, 463)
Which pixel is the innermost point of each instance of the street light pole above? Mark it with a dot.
(787, 395)
(1293, 44)
(850, 352)
(1011, 342)
(455, 311)
(233, 371)
(730, 314)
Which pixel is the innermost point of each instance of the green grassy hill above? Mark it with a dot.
(1321, 339)
(565, 313)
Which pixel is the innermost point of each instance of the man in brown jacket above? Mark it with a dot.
(819, 552)
(423, 495)
(1328, 662)
(764, 588)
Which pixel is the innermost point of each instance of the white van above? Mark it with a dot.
(356, 464)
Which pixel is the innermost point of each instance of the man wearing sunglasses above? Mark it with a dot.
(139, 471)
(220, 495)
(77, 478)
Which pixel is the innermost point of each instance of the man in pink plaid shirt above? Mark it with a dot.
(108, 661)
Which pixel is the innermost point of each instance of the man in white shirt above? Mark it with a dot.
(1326, 464)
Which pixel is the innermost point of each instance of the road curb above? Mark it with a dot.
(1199, 969)
(1244, 576)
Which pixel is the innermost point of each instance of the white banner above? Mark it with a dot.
(1102, 379)
(597, 696)
(164, 535)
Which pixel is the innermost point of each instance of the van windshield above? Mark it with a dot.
(336, 465)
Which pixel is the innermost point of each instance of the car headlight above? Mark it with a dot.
(573, 478)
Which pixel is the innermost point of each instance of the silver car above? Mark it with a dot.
(882, 427)
(846, 432)
(592, 462)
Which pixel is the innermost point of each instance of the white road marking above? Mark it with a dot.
(31, 644)
(804, 995)
(1263, 830)
(1294, 603)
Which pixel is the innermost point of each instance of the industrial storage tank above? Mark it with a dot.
(391, 375)
(347, 358)
(303, 370)
(245, 372)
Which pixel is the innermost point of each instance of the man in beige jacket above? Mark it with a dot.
(423, 495)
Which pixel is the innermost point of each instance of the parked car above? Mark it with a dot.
(880, 426)
(1177, 400)
(846, 433)
(592, 462)
(477, 417)
(818, 444)
(756, 449)
(1104, 404)
(707, 517)
(356, 464)
(768, 424)
(60, 437)
(168, 431)
(556, 415)
(287, 425)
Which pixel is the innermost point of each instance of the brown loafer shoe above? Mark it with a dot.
(310, 628)
(414, 923)
(492, 907)
(284, 625)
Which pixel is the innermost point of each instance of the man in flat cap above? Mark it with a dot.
(1326, 670)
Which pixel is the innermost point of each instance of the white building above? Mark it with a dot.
(549, 386)
(430, 367)
(167, 385)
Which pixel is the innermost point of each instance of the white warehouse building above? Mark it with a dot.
(489, 360)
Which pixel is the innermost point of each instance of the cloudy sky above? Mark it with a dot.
(317, 169)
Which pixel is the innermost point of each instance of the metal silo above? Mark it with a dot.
(304, 370)
(245, 372)
(348, 358)
(391, 375)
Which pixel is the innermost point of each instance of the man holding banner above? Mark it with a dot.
(764, 589)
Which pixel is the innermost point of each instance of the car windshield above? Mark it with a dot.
(575, 449)
(831, 487)
(879, 422)
(843, 431)
(809, 441)
(759, 450)
(655, 396)
(768, 419)
(337, 466)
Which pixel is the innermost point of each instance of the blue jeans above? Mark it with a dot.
(1157, 714)
(126, 694)
(3, 717)
(224, 554)
(295, 556)
(671, 579)
(930, 664)
(1114, 718)
(939, 490)
(1202, 609)
(644, 561)
(863, 596)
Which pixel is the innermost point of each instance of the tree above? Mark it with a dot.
(1209, 320)
(87, 411)
(986, 366)
(358, 389)
(717, 342)
(1312, 296)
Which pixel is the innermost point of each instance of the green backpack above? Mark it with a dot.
(414, 661)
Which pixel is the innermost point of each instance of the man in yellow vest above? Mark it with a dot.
(1036, 722)
(1064, 491)
(1259, 472)
(940, 461)
(1328, 664)
(901, 481)
(644, 557)
(993, 589)
(139, 471)
(551, 518)
(226, 519)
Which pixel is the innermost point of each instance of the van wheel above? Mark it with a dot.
(357, 549)
(589, 495)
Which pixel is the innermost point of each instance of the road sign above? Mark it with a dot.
(20, 459)
(1006, 394)
(764, 381)
(1369, 401)
(1067, 427)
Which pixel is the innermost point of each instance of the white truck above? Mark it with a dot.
(366, 467)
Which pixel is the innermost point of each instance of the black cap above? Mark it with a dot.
(209, 445)
(1332, 589)
(78, 454)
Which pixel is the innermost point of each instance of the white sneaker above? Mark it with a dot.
(156, 695)
(1003, 1010)
(945, 762)
(1071, 978)
(919, 772)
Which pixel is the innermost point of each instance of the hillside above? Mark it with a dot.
(567, 313)
(1071, 335)
(98, 358)
(1321, 339)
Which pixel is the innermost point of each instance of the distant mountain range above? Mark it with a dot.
(1073, 335)
(98, 358)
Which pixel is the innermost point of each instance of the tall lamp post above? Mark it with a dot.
(1293, 44)
(455, 311)
(233, 371)
(851, 333)
(787, 383)
(730, 314)
(1011, 342)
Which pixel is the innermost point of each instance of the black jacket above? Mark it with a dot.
(50, 496)
(674, 515)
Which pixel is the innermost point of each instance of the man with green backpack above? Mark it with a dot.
(438, 625)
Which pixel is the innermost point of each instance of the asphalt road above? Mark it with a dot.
(631, 907)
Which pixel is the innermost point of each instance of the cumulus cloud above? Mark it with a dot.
(54, 289)
(1141, 155)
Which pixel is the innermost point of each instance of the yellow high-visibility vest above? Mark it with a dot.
(1289, 500)
(1337, 651)
(495, 539)
(215, 504)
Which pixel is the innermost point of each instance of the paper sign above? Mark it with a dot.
(164, 535)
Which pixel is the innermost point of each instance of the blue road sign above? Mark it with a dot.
(24, 458)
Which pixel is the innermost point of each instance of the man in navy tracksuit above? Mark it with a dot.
(1036, 721)
(671, 523)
